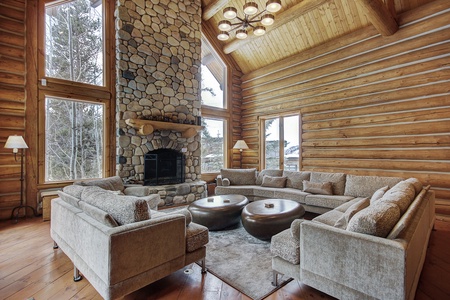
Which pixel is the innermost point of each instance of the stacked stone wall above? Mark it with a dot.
(158, 78)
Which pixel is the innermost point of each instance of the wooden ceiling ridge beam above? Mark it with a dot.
(285, 17)
(380, 16)
(212, 8)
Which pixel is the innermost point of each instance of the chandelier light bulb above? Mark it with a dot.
(259, 30)
(250, 8)
(267, 19)
(230, 13)
(241, 34)
(223, 36)
(224, 25)
(273, 6)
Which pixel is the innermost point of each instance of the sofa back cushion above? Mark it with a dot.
(377, 219)
(269, 172)
(295, 179)
(343, 221)
(124, 209)
(98, 214)
(336, 179)
(239, 176)
(365, 186)
(113, 183)
(401, 194)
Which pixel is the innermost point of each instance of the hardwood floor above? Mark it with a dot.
(29, 267)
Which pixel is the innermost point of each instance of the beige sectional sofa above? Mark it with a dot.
(367, 248)
(262, 185)
(117, 242)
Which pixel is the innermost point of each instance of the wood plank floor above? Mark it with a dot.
(29, 267)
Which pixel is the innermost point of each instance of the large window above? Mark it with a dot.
(281, 143)
(75, 92)
(73, 139)
(213, 77)
(213, 145)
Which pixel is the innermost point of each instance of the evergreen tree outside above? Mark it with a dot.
(74, 129)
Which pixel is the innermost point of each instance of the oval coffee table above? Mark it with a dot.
(262, 220)
(218, 212)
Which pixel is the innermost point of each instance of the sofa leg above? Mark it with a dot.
(76, 274)
(203, 266)
(275, 278)
(55, 245)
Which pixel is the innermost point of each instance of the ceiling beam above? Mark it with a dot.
(285, 17)
(212, 8)
(380, 16)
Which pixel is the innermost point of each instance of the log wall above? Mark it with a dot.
(369, 105)
(12, 98)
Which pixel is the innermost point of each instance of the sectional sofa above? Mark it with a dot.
(120, 243)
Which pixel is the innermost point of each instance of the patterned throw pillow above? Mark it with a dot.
(337, 180)
(271, 181)
(342, 222)
(295, 179)
(377, 219)
(268, 172)
(321, 188)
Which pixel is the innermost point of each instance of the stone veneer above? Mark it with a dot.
(158, 76)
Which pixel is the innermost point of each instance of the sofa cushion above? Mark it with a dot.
(295, 179)
(321, 188)
(239, 176)
(197, 236)
(377, 219)
(344, 206)
(74, 190)
(402, 194)
(327, 201)
(407, 217)
(417, 184)
(124, 209)
(265, 192)
(113, 183)
(378, 194)
(246, 190)
(187, 214)
(98, 214)
(269, 172)
(290, 194)
(342, 222)
(337, 179)
(328, 218)
(295, 228)
(286, 247)
(272, 181)
(365, 186)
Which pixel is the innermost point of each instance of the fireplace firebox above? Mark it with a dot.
(163, 166)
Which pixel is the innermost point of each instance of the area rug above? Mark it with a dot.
(242, 261)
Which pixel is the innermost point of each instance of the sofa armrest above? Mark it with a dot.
(219, 180)
(139, 191)
(343, 263)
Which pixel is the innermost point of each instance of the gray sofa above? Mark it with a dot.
(367, 248)
(117, 242)
(290, 185)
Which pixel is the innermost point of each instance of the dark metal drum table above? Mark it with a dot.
(265, 218)
(218, 212)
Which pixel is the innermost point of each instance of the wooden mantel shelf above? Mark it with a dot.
(146, 127)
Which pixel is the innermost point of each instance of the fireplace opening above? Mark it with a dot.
(163, 166)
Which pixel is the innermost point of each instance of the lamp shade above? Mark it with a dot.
(240, 144)
(16, 142)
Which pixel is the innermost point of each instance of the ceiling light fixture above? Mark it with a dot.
(251, 16)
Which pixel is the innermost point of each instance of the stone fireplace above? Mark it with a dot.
(163, 166)
(158, 63)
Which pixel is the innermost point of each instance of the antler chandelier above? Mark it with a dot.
(251, 16)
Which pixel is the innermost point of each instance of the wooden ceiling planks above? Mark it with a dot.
(325, 22)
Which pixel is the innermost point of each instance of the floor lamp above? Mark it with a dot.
(241, 145)
(17, 142)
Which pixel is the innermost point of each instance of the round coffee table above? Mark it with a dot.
(265, 218)
(218, 212)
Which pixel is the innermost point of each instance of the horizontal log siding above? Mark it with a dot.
(372, 106)
(12, 98)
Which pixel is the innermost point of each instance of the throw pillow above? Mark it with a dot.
(377, 219)
(226, 182)
(342, 222)
(270, 181)
(268, 172)
(239, 176)
(378, 194)
(321, 188)
(295, 228)
(295, 179)
(417, 184)
(337, 180)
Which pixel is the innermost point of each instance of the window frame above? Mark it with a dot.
(66, 89)
(281, 117)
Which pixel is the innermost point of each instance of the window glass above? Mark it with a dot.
(73, 139)
(74, 41)
(272, 143)
(291, 148)
(212, 145)
(213, 77)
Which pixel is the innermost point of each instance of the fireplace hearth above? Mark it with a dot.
(163, 166)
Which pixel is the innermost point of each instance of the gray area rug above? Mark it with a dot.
(242, 261)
